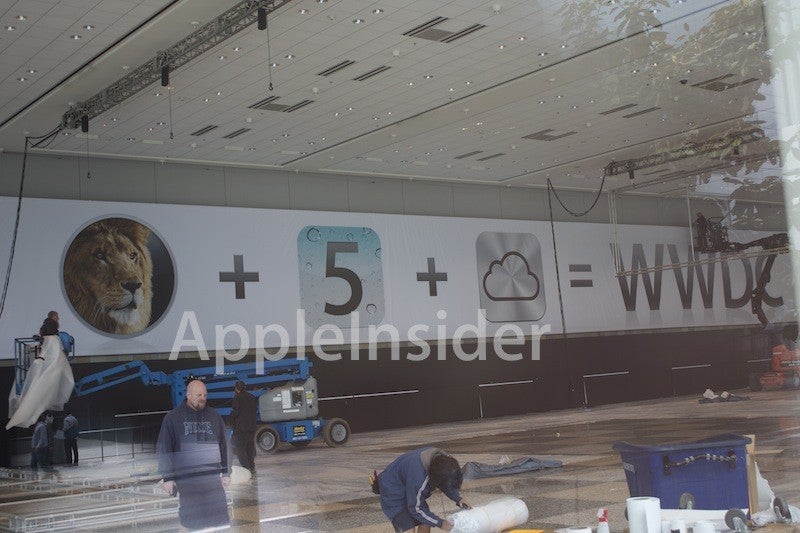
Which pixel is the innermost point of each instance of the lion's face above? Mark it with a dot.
(108, 276)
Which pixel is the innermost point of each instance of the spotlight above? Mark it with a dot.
(85, 123)
(262, 18)
(165, 76)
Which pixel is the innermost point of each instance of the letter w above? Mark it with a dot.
(651, 287)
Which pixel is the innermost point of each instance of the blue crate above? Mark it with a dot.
(712, 470)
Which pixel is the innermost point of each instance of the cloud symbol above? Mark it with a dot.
(510, 278)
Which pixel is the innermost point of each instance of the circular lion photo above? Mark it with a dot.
(118, 276)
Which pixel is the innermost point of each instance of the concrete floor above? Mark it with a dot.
(326, 489)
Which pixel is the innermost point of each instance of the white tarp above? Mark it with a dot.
(48, 385)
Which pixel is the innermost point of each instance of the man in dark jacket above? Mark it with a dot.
(50, 325)
(193, 458)
(39, 443)
(243, 421)
(409, 480)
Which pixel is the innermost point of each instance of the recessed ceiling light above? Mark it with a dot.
(377, 11)
(321, 1)
(323, 138)
(451, 89)
(160, 123)
(653, 64)
(252, 149)
(358, 21)
(114, 120)
(105, 125)
(501, 46)
(285, 135)
(303, 153)
(388, 112)
(273, 65)
(131, 138)
(150, 129)
(10, 28)
(311, 143)
(542, 54)
(541, 102)
(237, 48)
(410, 83)
(303, 11)
(274, 140)
(75, 37)
(635, 71)
(205, 100)
(521, 38)
(428, 76)
(689, 71)
(427, 153)
(219, 93)
(468, 83)
(479, 123)
(222, 58)
(376, 118)
(22, 79)
(65, 134)
(289, 56)
(88, 27)
(564, 45)
(350, 108)
(560, 96)
(337, 114)
(21, 17)
(31, 71)
(574, 107)
(158, 94)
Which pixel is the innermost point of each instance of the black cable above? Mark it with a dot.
(47, 137)
(550, 193)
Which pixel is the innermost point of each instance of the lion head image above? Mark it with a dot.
(108, 275)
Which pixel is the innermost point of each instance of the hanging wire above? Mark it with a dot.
(88, 168)
(551, 192)
(48, 138)
(169, 98)
(269, 53)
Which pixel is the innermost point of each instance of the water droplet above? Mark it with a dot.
(309, 266)
(378, 253)
(313, 235)
(372, 309)
(350, 237)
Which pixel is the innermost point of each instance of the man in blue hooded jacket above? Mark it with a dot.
(409, 480)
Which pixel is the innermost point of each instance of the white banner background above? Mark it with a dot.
(203, 241)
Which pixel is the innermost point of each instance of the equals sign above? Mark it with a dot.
(580, 282)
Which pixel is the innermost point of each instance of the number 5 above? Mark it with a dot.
(332, 271)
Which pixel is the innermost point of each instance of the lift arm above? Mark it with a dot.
(114, 376)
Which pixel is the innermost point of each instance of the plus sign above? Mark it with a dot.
(431, 276)
(238, 276)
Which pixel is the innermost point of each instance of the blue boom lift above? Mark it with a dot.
(287, 407)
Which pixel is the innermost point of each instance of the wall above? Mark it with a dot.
(153, 182)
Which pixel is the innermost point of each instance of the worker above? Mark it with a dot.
(50, 325)
(701, 223)
(193, 460)
(39, 443)
(70, 428)
(408, 481)
(243, 421)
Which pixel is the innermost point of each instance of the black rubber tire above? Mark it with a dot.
(267, 439)
(734, 513)
(686, 501)
(300, 443)
(336, 432)
(755, 382)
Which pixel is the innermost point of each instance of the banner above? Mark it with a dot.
(132, 278)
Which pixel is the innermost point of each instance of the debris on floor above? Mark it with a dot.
(506, 467)
(709, 396)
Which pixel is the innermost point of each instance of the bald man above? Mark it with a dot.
(193, 460)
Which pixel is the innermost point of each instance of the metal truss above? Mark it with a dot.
(197, 43)
(731, 140)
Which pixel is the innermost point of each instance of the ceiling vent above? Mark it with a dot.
(544, 135)
(642, 112)
(462, 33)
(203, 131)
(718, 85)
(414, 32)
(336, 68)
(616, 109)
(429, 32)
(298, 105)
(468, 154)
(371, 73)
(236, 133)
(491, 157)
(262, 104)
